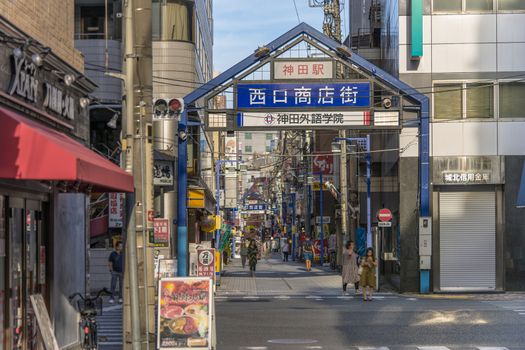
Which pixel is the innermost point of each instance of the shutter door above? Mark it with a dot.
(467, 230)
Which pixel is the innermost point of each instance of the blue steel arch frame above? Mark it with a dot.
(387, 79)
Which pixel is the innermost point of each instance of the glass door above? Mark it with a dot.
(16, 306)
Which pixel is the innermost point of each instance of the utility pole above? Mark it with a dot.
(332, 29)
(139, 312)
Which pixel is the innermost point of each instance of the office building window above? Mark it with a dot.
(480, 100)
(511, 5)
(268, 149)
(248, 136)
(248, 149)
(511, 101)
(172, 20)
(269, 136)
(448, 101)
(447, 5)
(478, 5)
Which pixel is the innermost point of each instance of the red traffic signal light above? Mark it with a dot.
(176, 106)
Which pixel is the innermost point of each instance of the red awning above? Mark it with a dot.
(30, 151)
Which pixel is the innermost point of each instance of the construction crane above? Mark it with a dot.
(332, 17)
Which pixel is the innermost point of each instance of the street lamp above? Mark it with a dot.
(365, 143)
(218, 194)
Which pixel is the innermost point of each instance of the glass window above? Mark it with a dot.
(511, 5)
(447, 6)
(248, 149)
(269, 136)
(176, 20)
(92, 22)
(478, 5)
(511, 101)
(268, 149)
(248, 136)
(448, 101)
(480, 100)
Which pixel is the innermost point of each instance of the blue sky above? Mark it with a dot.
(240, 26)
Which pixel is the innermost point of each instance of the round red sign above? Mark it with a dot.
(384, 215)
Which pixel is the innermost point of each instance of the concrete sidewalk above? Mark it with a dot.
(275, 277)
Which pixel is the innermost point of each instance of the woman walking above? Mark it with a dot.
(252, 256)
(308, 252)
(350, 268)
(244, 253)
(368, 276)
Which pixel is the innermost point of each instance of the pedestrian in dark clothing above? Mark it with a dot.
(252, 256)
(286, 250)
(116, 264)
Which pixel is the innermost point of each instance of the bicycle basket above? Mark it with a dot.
(94, 309)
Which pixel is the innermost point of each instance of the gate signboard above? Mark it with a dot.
(298, 95)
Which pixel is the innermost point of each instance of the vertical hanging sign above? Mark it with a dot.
(417, 29)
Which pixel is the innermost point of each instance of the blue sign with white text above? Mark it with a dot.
(303, 95)
(255, 207)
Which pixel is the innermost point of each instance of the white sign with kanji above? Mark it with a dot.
(205, 262)
(116, 210)
(303, 70)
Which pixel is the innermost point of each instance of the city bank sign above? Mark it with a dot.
(24, 83)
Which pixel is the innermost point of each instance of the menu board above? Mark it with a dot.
(185, 313)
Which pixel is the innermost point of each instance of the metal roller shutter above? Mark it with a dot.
(467, 229)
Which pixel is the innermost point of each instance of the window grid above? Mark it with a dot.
(466, 87)
(491, 6)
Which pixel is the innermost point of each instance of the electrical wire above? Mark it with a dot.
(297, 12)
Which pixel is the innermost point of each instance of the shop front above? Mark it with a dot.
(467, 245)
(46, 176)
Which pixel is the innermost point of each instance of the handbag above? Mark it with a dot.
(360, 270)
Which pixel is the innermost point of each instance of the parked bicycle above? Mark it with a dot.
(89, 308)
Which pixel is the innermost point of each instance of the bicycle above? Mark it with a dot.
(89, 308)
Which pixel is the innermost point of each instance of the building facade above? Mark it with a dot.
(47, 171)
(466, 56)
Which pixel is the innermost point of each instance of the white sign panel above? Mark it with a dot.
(304, 119)
(386, 118)
(326, 220)
(116, 210)
(384, 223)
(163, 173)
(303, 70)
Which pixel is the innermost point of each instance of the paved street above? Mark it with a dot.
(287, 308)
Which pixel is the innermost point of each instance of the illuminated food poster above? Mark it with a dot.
(185, 307)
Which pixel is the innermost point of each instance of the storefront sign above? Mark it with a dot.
(466, 178)
(161, 232)
(287, 96)
(196, 198)
(323, 164)
(116, 210)
(163, 173)
(255, 207)
(166, 268)
(469, 170)
(303, 70)
(24, 83)
(304, 119)
(185, 313)
(206, 262)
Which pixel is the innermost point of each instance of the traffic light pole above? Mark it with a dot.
(182, 180)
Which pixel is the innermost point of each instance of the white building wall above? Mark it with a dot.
(470, 45)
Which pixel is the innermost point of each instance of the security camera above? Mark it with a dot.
(387, 103)
(118, 14)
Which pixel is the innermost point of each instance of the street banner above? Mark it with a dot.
(206, 262)
(116, 210)
(289, 119)
(161, 232)
(185, 310)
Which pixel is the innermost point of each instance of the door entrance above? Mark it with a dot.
(27, 273)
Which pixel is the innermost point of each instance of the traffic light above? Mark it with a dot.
(168, 109)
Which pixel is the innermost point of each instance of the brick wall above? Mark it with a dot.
(51, 22)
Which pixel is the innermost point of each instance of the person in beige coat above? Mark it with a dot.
(350, 268)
